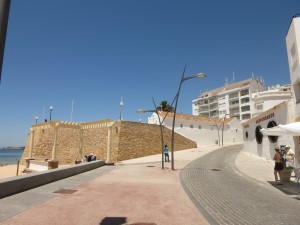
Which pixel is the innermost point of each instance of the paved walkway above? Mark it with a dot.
(224, 196)
(133, 192)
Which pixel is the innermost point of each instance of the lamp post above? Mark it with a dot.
(199, 75)
(161, 132)
(36, 119)
(223, 126)
(121, 108)
(51, 108)
(218, 128)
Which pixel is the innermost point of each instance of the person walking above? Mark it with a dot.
(278, 166)
(166, 152)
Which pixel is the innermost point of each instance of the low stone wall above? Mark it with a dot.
(14, 185)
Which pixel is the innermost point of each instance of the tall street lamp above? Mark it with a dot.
(121, 108)
(51, 108)
(36, 119)
(223, 126)
(161, 131)
(218, 128)
(199, 75)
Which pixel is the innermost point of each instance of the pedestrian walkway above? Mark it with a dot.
(262, 170)
(132, 192)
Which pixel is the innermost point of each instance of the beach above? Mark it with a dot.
(11, 171)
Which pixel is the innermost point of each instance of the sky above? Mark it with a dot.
(81, 57)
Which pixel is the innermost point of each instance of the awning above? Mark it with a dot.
(292, 129)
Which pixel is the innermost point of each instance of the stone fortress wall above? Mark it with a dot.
(109, 140)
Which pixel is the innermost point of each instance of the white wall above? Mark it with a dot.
(293, 51)
(204, 133)
(266, 148)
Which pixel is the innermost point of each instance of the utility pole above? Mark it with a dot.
(4, 13)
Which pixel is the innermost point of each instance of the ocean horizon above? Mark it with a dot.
(10, 156)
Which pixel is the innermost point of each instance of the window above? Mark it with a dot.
(245, 108)
(258, 135)
(272, 139)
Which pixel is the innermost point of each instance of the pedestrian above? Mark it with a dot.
(166, 151)
(289, 157)
(89, 158)
(278, 166)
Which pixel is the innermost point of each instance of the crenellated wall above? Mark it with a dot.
(109, 140)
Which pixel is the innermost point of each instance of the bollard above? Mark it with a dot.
(18, 167)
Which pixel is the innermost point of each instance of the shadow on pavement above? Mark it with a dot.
(289, 188)
(113, 221)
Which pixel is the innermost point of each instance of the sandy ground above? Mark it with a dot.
(11, 171)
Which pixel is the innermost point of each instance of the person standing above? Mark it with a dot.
(278, 166)
(290, 158)
(166, 152)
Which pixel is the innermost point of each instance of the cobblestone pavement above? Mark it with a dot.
(225, 196)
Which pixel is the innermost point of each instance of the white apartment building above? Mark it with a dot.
(232, 99)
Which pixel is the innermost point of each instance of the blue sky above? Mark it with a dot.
(94, 52)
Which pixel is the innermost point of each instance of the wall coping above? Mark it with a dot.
(13, 185)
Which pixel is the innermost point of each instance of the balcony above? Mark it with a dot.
(213, 107)
(214, 115)
(245, 100)
(234, 112)
(246, 116)
(234, 95)
(211, 101)
(245, 108)
(203, 109)
(245, 92)
(236, 105)
(204, 114)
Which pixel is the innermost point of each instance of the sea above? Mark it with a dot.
(10, 156)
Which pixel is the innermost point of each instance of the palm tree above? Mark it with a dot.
(164, 106)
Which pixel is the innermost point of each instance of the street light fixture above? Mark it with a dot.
(36, 119)
(121, 108)
(161, 131)
(223, 125)
(199, 75)
(51, 108)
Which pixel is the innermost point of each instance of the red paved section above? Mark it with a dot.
(130, 194)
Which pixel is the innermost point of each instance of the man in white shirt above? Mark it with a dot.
(289, 156)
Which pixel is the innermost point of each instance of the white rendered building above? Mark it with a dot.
(203, 130)
(232, 99)
(265, 100)
(283, 113)
(293, 51)
(264, 146)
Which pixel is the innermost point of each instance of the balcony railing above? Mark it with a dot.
(243, 93)
(233, 96)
